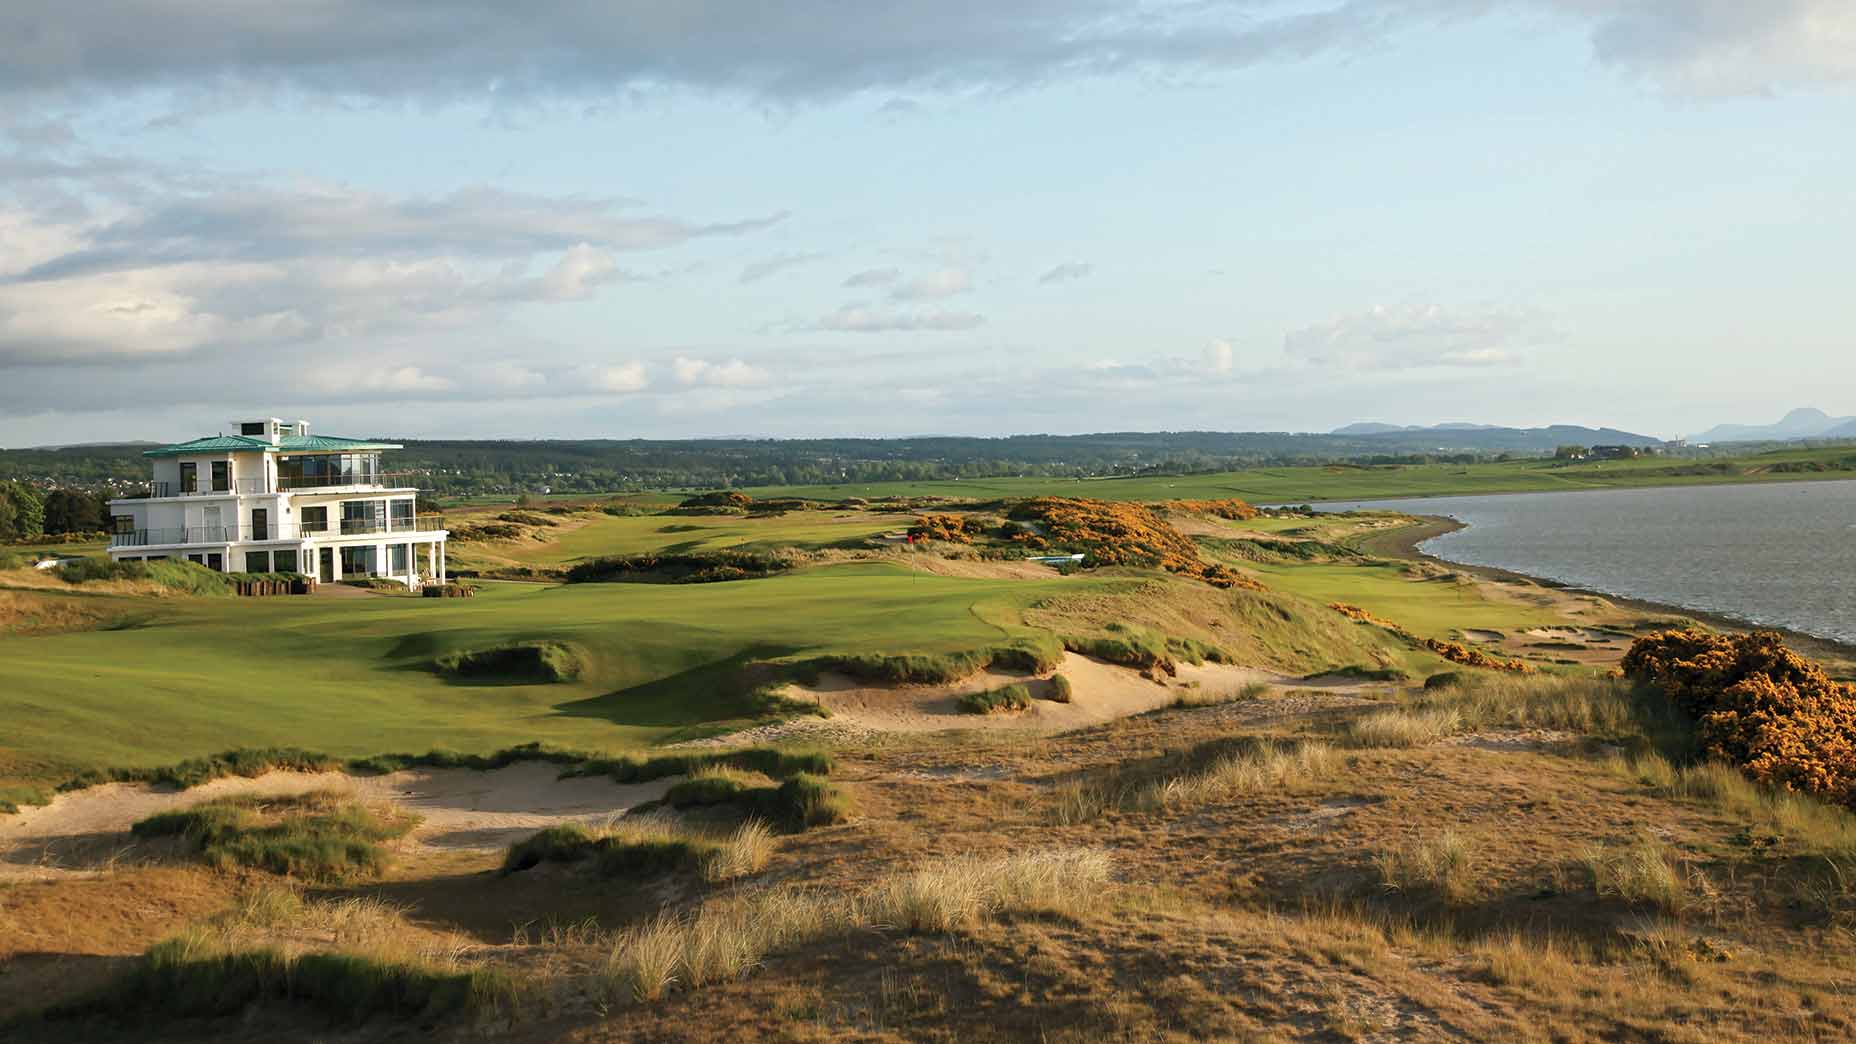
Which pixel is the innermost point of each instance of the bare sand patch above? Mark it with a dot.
(1510, 740)
(459, 809)
(1099, 692)
(1485, 637)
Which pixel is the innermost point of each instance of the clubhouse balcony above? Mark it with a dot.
(187, 535)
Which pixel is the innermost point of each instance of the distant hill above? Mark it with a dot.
(1798, 424)
(1374, 428)
(457, 467)
(1458, 437)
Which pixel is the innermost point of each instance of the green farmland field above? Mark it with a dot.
(1362, 482)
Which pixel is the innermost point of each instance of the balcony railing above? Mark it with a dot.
(383, 479)
(207, 489)
(275, 531)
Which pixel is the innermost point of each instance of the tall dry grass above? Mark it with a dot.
(1444, 865)
(1644, 872)
(1829, 829)
(1265, 765)
(727, 938)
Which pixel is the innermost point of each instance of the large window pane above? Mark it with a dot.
(315, 519)
(285, 562)
(358, 561)
(189, 477)
(222, 476)
(257, 561)
(402, 559)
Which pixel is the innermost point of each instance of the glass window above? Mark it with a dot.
(364, 516)
(402, 513)
(216, 562)
(315, 519)
(197, 559)
(253, 428)
(189, 477)
(257, 561)
(222, 476)
(402, 559)
(285, 562)
(358, 561)
(122, 523)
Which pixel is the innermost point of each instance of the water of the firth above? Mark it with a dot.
(1780, 554)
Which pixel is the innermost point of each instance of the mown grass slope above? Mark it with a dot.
(355, 676)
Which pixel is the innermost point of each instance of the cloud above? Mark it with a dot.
(874, 277)
(1412, 336)
(754, 272)
(275, 223)
(934, 286)
(237, 265)
(1218, 357)
(1725, 47)
(622, 379)
(733, 373)
(1066, 272)
(805, 50)
(863, 319)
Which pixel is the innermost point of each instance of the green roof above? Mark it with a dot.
(286, 444)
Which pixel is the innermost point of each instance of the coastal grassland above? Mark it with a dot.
(1433, 606)
(357, 676)
(1300, 484)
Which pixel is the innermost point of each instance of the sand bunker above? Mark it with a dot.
(1100, 692)
(1485, 637)
(1585, 635)
(460, 809)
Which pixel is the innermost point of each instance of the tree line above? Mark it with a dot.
(27, 512)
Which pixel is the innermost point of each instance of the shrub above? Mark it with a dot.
(807, 801)
(646, 847)
(1030, 657)
(1058, 690)
(319, 836)
(952, 529)
(1116, 533)
(713, 785)
(1758, 705)
(695, 568)
(1231, 508)
(541, 662)
(1009, 699)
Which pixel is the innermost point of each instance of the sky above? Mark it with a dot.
(637, 219)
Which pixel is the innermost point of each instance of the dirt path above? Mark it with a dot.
(460, 809)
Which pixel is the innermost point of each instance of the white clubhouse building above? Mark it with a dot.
(276, 499)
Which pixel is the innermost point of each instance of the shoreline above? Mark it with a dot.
(1402, 543)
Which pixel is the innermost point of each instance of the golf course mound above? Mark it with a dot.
(517, 663)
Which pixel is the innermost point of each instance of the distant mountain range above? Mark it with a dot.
(1372, 428)
(1491, 436)
(1798, 424)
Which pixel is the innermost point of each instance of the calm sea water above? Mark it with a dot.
(1780, 554)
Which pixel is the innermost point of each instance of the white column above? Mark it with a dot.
(335, 565)
(431, 559)
(441, 561)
